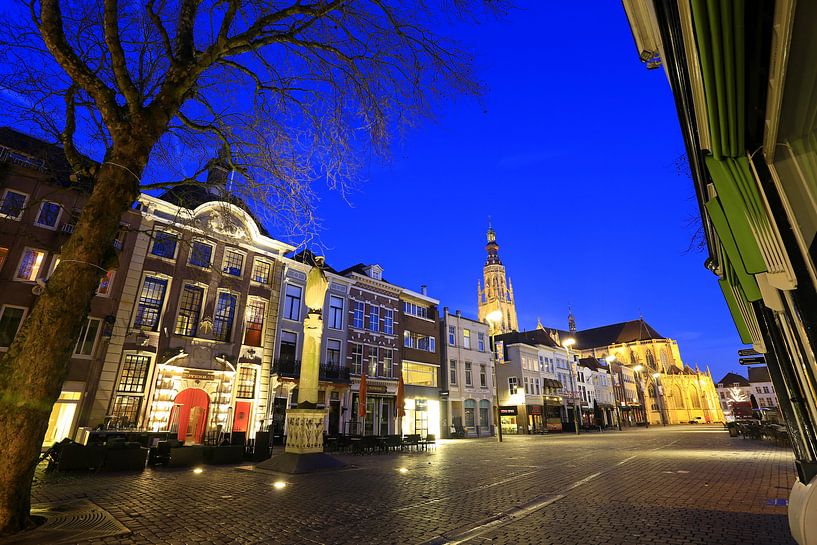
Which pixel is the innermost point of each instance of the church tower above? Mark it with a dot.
(498, 290)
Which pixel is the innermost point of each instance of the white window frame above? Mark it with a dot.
(139, 288)
(374, 319)
(362, 315)
(79, 342)
(286, 315)
(466, 339)
(452, 335)
(19, 216)
(56, 222)
(22, 319)
(39, 271)
(256, 260)
(212, 253)
(243, 255)
(205, 287)
(330, 323)
(390, 322)
(153, 242)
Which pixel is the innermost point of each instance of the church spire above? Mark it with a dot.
(571, 320)
(498, 290)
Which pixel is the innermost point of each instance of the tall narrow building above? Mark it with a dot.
(498, 289)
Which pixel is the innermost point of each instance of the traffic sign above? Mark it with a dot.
(755, 360)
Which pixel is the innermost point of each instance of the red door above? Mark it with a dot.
(193, 404)
(241, 419)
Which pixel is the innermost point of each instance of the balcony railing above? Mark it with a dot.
(327, 372)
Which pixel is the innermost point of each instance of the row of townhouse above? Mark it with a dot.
(543, 386)
(198, 328)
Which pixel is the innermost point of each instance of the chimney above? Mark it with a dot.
(459, 313)
(424, 289)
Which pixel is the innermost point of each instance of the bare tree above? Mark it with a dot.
(292, 91)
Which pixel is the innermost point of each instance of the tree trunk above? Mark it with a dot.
(33, 369)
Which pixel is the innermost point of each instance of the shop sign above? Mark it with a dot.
(534, 409)
(507, 411)
(376, 389)
(197, 375)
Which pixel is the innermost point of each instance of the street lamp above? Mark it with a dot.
(642, 398)
(567, 343)
(610, 359)
(493, 318)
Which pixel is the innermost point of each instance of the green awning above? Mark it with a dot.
(742, 207)
(731, 259)
(719, 33)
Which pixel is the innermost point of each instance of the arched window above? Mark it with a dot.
(470, 413)
(693, 394)
(650, 359)
(633, 357)
(664, 358)
(484, 411)
(677, 398)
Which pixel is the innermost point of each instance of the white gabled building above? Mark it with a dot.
(468, 377)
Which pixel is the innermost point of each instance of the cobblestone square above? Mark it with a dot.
(674, 485)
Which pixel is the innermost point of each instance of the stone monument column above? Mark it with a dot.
(304, 447)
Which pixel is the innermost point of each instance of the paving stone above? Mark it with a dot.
(673, 485)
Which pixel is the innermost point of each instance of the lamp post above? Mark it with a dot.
(642, 398)
(493, 319)
(567, 343)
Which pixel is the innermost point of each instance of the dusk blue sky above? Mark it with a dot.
(572, 151)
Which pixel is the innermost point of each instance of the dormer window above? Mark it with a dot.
(375, 271)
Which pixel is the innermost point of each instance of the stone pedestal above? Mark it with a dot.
(304, 448)
(305, 430)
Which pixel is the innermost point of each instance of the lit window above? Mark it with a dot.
(233, 262)
(164, 245)
(224, 316)
(13, 204)
(466, 339)
(126, 408)
(10, 320)
(49, 214)
(261, 271)
(187, 322)
(513, 384)
(150, 303)
(292, 302)
(134, 373)
(105, 283)
(419, 374)
(388, 362)
(254, 327)
(201, 254)
(335, 312)
(87, 338)
(30, 264)
(246, 383)
(373, 357)
(357, 358)
(470, 407)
